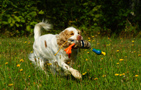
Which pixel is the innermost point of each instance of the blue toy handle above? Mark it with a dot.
(97, 51)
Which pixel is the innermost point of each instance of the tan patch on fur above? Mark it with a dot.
(63, 37)
(60, 56)
(56, 64)
(79, 32)
(35, 59)
(79, 37)
(45, 44)
(66, 67)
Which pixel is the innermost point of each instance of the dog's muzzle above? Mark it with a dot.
(79, 37)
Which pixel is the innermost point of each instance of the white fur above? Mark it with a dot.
(42, 54)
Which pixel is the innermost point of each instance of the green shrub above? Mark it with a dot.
(79, 13)
(92, 16)
(19, 17)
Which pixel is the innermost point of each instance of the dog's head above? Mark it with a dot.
(69, 33)
(72, 33)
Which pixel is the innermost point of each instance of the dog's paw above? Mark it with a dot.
(76, 74)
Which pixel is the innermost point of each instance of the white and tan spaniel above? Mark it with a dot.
(47, 49)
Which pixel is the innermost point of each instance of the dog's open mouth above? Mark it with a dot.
(80, 44)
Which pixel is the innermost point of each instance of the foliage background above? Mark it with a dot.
(108, 17)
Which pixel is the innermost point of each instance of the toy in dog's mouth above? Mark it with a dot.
(83, 44)
(77, 44)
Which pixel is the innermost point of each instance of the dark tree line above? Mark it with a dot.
(18, 17)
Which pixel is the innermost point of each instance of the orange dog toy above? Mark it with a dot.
(68, 50)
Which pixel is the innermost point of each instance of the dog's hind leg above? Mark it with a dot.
(37, 60)
(32, 58)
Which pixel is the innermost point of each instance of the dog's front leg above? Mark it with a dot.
(74, 72)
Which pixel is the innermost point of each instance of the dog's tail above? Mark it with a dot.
(38, 27)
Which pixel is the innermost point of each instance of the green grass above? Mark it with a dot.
(99, 72)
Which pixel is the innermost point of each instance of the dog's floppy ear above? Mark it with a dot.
(63, 37)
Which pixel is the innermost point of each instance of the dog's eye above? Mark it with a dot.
(72, 33)
(78, 33)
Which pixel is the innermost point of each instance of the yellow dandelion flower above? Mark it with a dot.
(88, 52)
(18, 65)
(86, 59)
(120, 60)
(103, 75)
(123, 73)
(133, 41)
(108, 44)
(92, 36)
(10, 85)
(117, 50)
(49, 64)
(132, 44)
(29, 76)
(84, 73)
(93, 40)
(98, 43)
(95, 78)
(136, 75)
(139, 55)
(40, 85)
(21, 70)
(117, 63)
(89, 40)
(21, 60)
(120, 74)
(116, 74)
(6, 63)
(25, 42)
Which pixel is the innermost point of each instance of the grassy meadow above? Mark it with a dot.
(119, 69)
